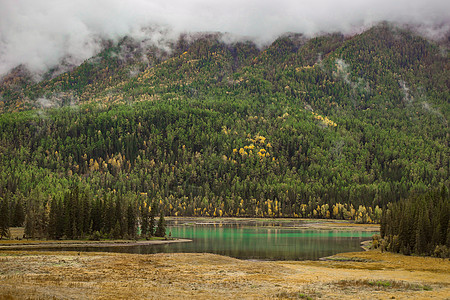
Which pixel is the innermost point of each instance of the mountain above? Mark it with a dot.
(333, 126)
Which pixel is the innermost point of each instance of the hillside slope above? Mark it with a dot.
(329, 127)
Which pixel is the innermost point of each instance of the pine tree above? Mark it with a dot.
(30, 224)
(108, 215)
(151, 225)
(119, 217)
(447, 242)
(144, 220)
(161, 229)
(421, 243)
(4, 218)
(55, 227)
(116, 231)
(52, 228)
(67, 215)
(85, 215)
(131, 221)
(96, 215)
(18, 215)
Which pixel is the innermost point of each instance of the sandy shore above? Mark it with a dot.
(360, 275)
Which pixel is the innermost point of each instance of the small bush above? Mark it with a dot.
(383, 284)
(441, 251)
(303, 296)
(96, 236)
(376, 241)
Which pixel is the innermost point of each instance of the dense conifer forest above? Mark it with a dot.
(419, 224)
(327, 127)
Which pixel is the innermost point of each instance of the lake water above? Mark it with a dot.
(252, 242)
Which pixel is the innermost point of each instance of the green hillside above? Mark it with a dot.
(328, 127)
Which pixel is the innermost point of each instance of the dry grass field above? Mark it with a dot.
(362, 275)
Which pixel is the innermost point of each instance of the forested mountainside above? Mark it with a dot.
(327, 127)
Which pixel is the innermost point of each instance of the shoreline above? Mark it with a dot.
(81, 244)
(288, 223)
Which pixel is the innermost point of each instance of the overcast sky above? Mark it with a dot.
(39, 33)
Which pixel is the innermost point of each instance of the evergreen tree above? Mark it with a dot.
(85, 215)
(144, 220)
(53, 220)
(447, 242)
(96, 215)
(151, 225)
(161, 228)
(120, 227)
(4, 218)
(18, 216)
(116, 231)
(131, 221)
(30, 225)
(55, 228)
(108, 215)
(421, 238)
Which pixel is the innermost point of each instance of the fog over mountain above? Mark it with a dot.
(39, 34)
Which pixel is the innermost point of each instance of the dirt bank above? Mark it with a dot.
(37, 275)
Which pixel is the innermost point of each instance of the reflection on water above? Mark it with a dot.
(252, 242)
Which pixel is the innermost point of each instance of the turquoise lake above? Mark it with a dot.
(245, 241)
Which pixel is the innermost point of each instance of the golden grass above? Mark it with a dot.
(58, 275)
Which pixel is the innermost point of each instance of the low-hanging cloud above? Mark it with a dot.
(39, 34)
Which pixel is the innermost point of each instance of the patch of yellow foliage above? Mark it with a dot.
(324, 120)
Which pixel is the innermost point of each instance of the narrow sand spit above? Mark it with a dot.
(361, 275)
(24, 245)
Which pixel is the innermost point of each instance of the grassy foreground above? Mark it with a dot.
(362, 275)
